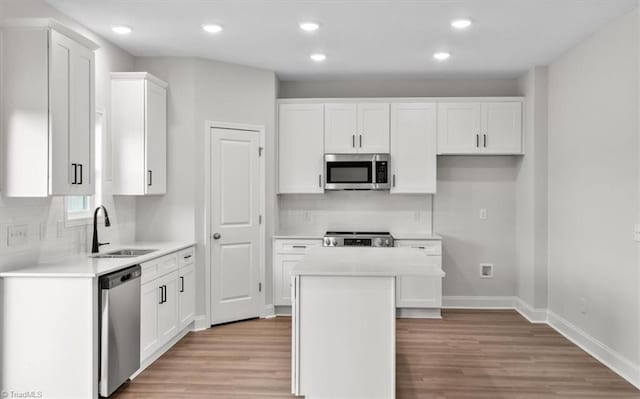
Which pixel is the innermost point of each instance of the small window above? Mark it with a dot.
(78, 210)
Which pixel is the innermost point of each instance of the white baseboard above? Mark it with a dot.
(268, 312)
(418, 313)
(605, 355)
(478, 302)
(201, 323)
(530, 313)
(282, 310)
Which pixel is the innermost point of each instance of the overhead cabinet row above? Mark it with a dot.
(48, 117)
(413, 133)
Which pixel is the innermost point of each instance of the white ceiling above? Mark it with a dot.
(362, 38)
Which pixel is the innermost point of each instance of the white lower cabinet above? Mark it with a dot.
(286, 255)
(167, 300)
(420, 292)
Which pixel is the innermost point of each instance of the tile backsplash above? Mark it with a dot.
(355, 210)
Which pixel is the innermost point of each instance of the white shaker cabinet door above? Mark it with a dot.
(282, 284)
(150, 300)
(187, 294)
(156, 138)
(459, 128)
(502, 127)
(373, 128)
(300, 148)
(340, 128)
(168, 309)
(413, 148)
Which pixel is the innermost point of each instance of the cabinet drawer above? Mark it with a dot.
(158, 267)
(431, 247)
(187, 256)
(296, 246)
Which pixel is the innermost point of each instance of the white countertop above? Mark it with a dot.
(298, 236)
(352, 261)
(84, 265)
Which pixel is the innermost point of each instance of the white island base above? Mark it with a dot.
(343, 323)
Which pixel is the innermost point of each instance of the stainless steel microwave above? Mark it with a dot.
(356, 171)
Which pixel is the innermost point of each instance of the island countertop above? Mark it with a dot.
(86, 266)
(350, 261)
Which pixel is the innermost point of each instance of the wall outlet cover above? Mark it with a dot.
(486, 270)
(483, 214)
(17, 235)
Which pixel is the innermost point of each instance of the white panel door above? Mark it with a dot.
(282, 285)
(373, 128)
(300, 148)
(235, 205)
(168, 308)
(459, 128)
(413, 148)
(340, 128)
(187, 294)
(149, 302)
(502, 127)
(156, 137)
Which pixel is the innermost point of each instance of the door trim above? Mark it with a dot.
(209, 125)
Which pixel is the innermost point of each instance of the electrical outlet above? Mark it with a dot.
(483, 214)
(583, 305)
(486, 270)
(17, 235)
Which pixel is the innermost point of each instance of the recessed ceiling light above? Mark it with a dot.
(309, 26)
(212, 28)
(442, 56)
(318, 57)
(121, 29)
(461, 23)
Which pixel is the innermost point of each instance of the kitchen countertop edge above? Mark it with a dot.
(84, 266)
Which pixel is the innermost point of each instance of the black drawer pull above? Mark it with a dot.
(300, 246)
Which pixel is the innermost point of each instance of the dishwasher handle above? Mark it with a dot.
(120, 277)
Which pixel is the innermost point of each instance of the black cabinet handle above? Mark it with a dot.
(75, 173)
(360, 141)
(477, 140)
(320, 181)
(394, 180)
(188, 256)
(300, 246)
(181, 284)
(161, 296)
(150, 172)
(485, 140)
(80, 173)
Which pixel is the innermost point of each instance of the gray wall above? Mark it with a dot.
(532, 192)
(399, 88)
(465, 184)
(199, 91)
(593, 187)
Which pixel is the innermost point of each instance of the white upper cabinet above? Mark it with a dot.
(300, 148)
(413, 148)
(139, 132)
(48, 111)
(356, 128)
(480, 128)
(502, 127)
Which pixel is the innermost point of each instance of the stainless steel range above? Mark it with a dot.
(357, 239)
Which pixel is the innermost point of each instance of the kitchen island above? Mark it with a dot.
(344, 310)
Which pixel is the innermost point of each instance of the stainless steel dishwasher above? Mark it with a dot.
(119, 328)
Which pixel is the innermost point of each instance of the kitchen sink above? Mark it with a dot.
(124, 253)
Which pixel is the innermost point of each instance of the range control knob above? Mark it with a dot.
(387, 242)
(377, 242)
(334, 242)
(327, 242)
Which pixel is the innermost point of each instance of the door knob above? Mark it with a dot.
(216, 236)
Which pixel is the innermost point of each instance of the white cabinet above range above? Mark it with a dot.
(48, 108)
(356, 128)
(139, 130)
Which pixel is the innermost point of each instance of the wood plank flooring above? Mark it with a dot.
(468, 354)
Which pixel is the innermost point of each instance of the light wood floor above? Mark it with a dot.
(468, 354)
